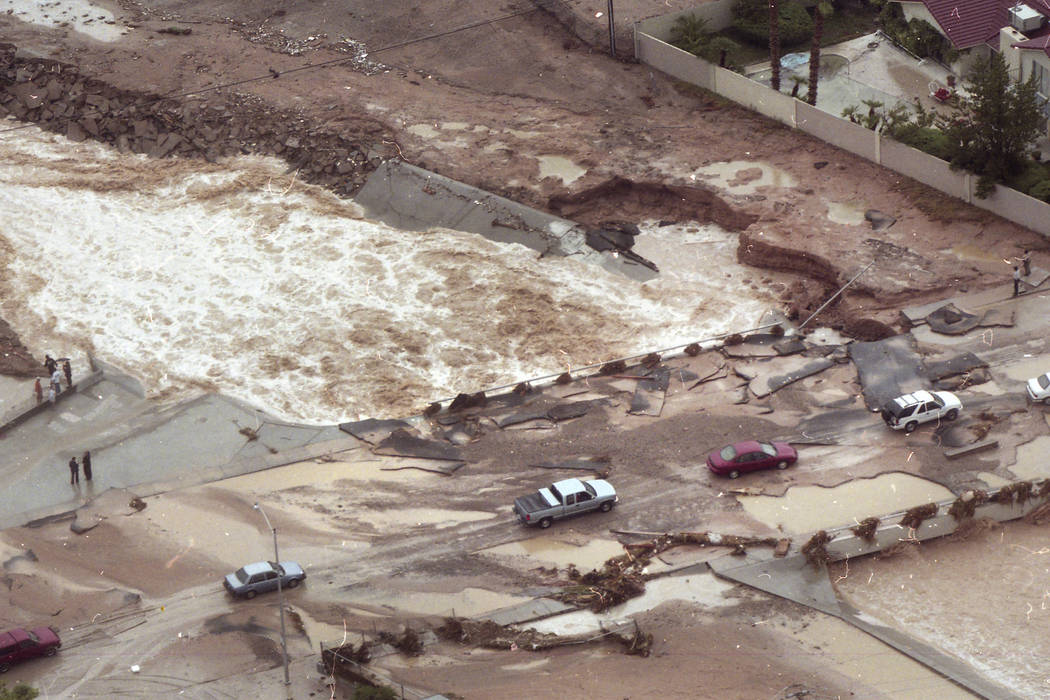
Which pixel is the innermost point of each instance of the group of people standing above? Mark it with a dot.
(55, 375)
(74, 468)
(1026, 265)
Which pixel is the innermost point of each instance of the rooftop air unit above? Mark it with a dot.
(1025, 19)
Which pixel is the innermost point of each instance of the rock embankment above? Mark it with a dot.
(56, 97)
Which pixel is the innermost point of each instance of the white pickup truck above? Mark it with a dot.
(564, 498)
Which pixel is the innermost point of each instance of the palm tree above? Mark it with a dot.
(821, 9)
(774, 44)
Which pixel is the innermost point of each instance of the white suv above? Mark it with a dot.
(910, 410)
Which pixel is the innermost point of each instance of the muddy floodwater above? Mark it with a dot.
(809, 508)
(237, 278)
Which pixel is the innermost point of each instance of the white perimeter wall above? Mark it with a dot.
(654, 51)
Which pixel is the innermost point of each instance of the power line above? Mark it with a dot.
(271, 75)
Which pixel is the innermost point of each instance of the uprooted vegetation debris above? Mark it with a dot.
(965, 505)
(490, 635)
(622, 578)
(866, 529)
(816, 550)
(914, 517)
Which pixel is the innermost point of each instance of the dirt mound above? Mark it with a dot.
(15, 358)
(620, 198)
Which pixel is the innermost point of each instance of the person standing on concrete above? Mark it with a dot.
(68, 371)
(74, 471)
(51, 394)
(50, 364)
(56, 380)
(1017, 280)
(1026, 262)
(86, 459)
(39, 391)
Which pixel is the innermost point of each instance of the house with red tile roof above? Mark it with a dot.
(1018, 29)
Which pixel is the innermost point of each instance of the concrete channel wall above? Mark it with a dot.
(651, 48)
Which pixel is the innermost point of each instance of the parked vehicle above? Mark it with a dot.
(910, 410)
(564, 498)
(261, 577)
(20, 644)
(1039, 388)
(751, 455)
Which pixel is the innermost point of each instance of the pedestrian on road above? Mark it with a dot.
(1017, 280)
(68, 371)
(1026, 261)
(50, 364)
(56, 380)
(51, 395)
(74, 471)
(39, 391)
(86, 459)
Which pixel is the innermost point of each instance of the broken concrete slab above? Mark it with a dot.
(790, 577)
(402, 443)
(954, 365)
(998, 316)
(1038, 276)
(757, 345)
(568, 411)
(954, 452)
(543, 423)
(649, 395)
(887, 368)
(789, 346)
(516, 418)
(594, 464)
(834, 427)
(785, 371)
(373, 430)
(950, 320)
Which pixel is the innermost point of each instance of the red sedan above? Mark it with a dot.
(22, 644)
(751, 455)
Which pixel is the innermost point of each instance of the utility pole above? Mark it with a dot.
(612, 31)
(280, 593)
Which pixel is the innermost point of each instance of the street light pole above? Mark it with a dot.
(280, 593)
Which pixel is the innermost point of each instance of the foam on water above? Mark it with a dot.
(235, 277)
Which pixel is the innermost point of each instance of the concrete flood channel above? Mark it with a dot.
(790, 512)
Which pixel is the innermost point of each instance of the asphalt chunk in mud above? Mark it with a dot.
(402, 443)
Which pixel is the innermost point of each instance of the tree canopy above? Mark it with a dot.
(994, 123)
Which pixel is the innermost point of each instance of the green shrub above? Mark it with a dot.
(926, 139)
(1033, 180)
(689, 33)
(751, 21)
(372, 692)
(21, 691)
(1041, 191)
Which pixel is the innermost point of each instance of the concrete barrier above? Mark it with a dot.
(839, 132)
(890, 532)
(652, 49)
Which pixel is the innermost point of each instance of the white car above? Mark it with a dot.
(908, 411)
(1039, 388)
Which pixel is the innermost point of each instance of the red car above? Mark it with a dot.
(21, 645)
(751, 455)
